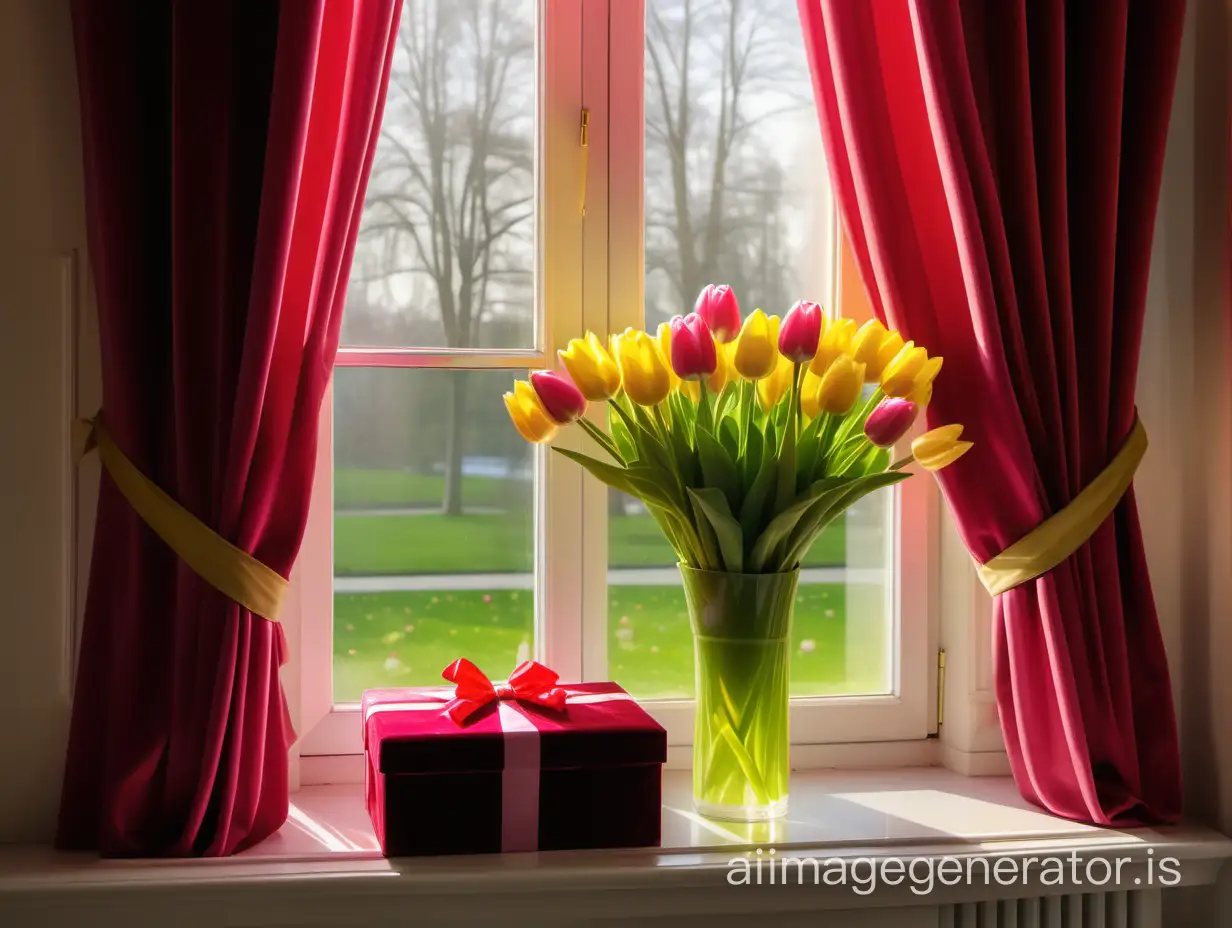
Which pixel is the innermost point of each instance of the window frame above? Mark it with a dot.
(591, 56)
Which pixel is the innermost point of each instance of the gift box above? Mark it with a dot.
(518, 766)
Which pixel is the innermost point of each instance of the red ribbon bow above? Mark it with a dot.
(530, 682)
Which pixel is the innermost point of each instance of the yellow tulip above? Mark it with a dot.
(645, 375)
(663, 339)
(591, 367)
(898, 378)
(921, 390)
(528, 415)
(808, 395)
(724, 372)
(940, 447)
(757, 348)
(890, 347)
(866, 347)
(922, 395)
(835, 341)
(840, 386)
(724, 369)
(771, 389)
(928, 373)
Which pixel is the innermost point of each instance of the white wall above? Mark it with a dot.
(41, 229)
(1185, 487)
(1185, 400)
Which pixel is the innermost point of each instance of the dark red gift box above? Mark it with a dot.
(434, 786)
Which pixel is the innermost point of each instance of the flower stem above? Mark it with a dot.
(786, 490)
(851, 421)
(601, 437)
(748, 397)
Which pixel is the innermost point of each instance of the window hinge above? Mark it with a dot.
(941, 687)
(585, 143)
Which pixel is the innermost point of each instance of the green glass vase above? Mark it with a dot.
(741, 644)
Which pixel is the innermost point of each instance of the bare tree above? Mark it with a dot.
(714, 74)
(452, 188)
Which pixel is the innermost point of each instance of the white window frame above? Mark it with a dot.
(591, 276)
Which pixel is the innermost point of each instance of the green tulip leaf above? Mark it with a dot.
(753, 508)
(680, 448)
(669, 524)
(708, 542)
(636, 480)
(705, 410)
(829, 505)
(602, 439)
(769, 445)
(642, 418)
(808, 449)
(711, 504)
(619, 428)
(650, 448)
(684, 416)
(751, 463)
(729, 436)
(727, 399)
(718, 467)
(781, 525)
(874, 461)
(785, 484)
(779, 414)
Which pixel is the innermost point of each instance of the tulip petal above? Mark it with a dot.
(560, 398)
(836, 340)
(947, 457)
(528, 414)
(890, 346)
(841, 386)
(937, 440)
(717, 305)
(756, 351)
(643, 372)
(591, 367)
(898, 378)
(865, 346)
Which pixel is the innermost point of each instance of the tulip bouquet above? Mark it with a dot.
(744, 439)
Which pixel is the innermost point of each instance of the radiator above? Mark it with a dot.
(1136, 909)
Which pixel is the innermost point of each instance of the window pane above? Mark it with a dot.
(445, 256)
(737, 193)
(433, 527)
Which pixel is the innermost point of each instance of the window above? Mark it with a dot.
(492, 234)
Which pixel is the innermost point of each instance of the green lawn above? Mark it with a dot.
(366, 545)
(363, 488)
(406, 639)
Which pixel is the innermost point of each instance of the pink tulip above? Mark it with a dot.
(693, 352)
(717, 305)
(800, 332)
(889, 421)
(560, 398)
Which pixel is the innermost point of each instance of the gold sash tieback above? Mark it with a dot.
(231, 571)
(1066, 531)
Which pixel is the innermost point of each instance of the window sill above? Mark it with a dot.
(324, 868)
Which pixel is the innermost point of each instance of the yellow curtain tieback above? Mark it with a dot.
(1066, 531)
(231, 571)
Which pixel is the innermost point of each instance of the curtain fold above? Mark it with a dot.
(998, 167)
(226, 150)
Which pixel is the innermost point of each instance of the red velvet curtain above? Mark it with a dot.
(998, 166)
(227, 147)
